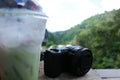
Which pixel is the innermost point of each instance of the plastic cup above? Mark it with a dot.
(21, 35)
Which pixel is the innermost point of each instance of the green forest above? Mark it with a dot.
(100, 33)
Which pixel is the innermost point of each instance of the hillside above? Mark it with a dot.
(65, 37)
(100, 33)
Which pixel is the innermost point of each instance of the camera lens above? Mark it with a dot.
(82, 62)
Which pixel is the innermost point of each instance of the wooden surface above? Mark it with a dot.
(91, 75)
(108, 74)
(111, 79)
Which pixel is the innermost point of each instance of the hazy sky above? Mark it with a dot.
(64, 14)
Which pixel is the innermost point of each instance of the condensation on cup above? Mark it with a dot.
(22, 29)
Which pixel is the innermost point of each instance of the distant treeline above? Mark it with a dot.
(100, 33)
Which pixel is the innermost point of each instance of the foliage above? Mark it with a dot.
(100, 33)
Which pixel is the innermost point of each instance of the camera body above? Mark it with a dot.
(74, 60)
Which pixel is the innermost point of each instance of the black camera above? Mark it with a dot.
(74, 60)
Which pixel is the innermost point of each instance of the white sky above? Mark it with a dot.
(64, 14)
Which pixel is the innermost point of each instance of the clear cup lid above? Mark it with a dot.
(16, 11)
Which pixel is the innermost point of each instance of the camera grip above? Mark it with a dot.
(52, 64)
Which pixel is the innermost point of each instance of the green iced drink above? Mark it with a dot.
(21, 35)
